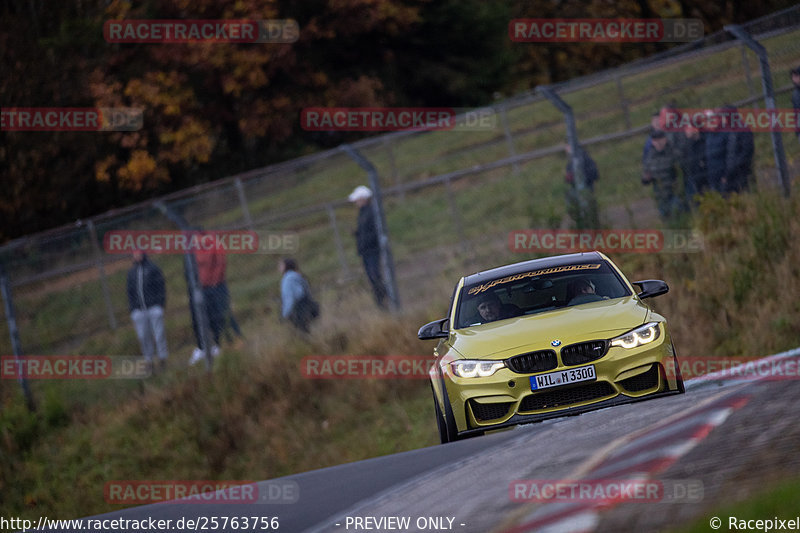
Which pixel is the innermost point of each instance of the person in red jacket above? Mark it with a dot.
(211, 265)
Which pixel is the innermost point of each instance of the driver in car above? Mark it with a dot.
(490, 308)
(585, 292)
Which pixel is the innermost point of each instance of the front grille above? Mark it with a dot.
(644, 381)
(489, 411)
(528, 363)
(568, 396)
(583, 352)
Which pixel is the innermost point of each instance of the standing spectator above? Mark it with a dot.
(297, 305)
(660, 169)
(367, 242)
(657, 123)
(147, 299)
(739, 157)
(572, 197)
(729, 154)
(211, 265)
(716, 152)
(693, 163)
(796, 96)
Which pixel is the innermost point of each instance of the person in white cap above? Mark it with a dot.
(367, 241)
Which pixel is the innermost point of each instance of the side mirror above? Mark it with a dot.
(434, 330)
(651, 287)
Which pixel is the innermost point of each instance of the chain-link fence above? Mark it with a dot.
(446, 194)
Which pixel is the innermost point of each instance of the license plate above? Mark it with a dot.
(563, 377)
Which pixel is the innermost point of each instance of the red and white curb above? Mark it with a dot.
(650, 452)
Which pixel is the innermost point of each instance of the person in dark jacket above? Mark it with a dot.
(729, 156)
(367, 242)
(660, 169)
(147, 300)
(693, 163)
(739, 158)
(655, 125)
(796, 96)
(717, 142)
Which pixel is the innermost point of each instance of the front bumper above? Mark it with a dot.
(575, 410)
(506, 399)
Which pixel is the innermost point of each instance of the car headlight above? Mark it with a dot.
(469, 368)
(638, 337)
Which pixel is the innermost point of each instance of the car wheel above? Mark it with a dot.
(447, 432)
(678, 376)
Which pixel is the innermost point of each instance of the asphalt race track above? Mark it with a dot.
(722, 440)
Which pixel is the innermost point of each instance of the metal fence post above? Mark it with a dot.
(16, 346)
(243, 202)
(380, 222)
(769, 101)
(196, 297)
(198, 305)
(98, 260)
(586, 215)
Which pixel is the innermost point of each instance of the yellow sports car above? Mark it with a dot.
(546, 338)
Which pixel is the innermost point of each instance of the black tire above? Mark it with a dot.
(447, 432)
(678, 376)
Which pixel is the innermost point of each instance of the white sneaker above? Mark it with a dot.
(214, 351)
(197, 356)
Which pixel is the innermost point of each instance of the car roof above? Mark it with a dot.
(533, 264)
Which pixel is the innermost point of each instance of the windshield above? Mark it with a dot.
(538, 291)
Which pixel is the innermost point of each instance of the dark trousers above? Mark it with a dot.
(372, 266)
(217, 302)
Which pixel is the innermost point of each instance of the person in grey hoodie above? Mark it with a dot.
(147, 300)
(297, 305)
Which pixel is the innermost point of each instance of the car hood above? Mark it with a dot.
(596, 320)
